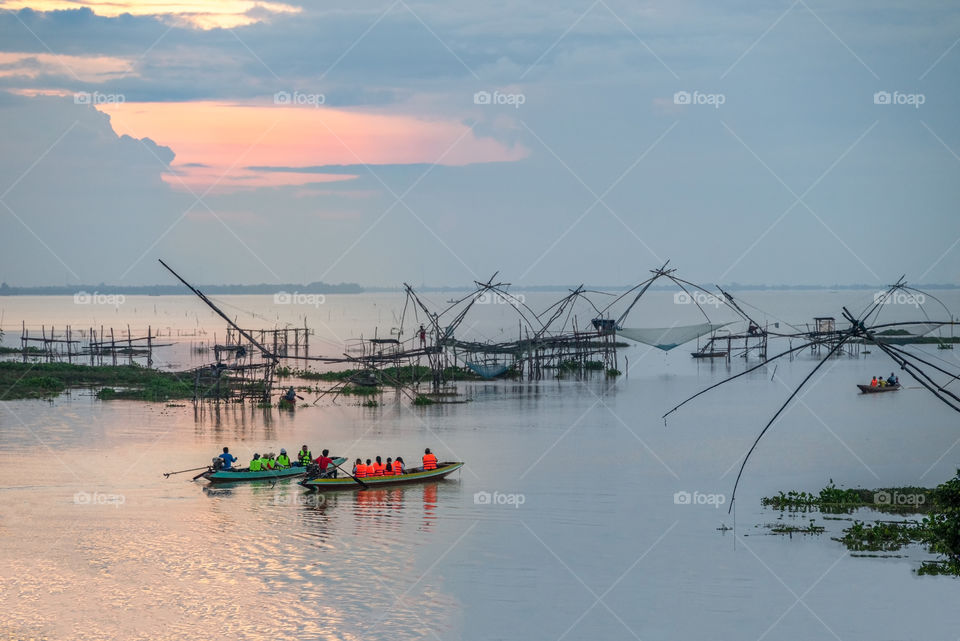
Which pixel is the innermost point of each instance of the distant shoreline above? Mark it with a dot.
(353, 288)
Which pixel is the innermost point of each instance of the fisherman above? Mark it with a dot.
(388, 468)
(305, 456)
(283, 461)
(255, 463)
(893, 380)
(873, 383)
(378, 468)
(423, 336)
(398, 466)
(327, 468)
(881, 382)
(291, 395)
(359, 469)
(429, 460)
(228, 458)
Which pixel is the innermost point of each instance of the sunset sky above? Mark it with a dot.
(438, 142)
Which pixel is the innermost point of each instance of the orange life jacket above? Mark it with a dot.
(388, 469)
(873, 383)
(429, 462)
(397, 468)
(361, 471)
(378, 469)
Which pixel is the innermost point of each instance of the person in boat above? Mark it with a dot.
(892, 379)
(227, 458)
(881, 382)
(873, 383)
(304, 457)
(398, 466)
(291, 395)
(325, 463)
(429, 460)
(255, 465)
(283, 461)
(388, 467)
(267, 461)
(359, 469)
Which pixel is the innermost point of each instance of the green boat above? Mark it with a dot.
(416, 475)
(233, 476)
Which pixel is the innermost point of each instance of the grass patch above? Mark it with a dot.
(44, 380)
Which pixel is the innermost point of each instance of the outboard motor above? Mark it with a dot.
(217, 464)
(313, 471)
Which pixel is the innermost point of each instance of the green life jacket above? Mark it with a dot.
(255, 465)
(283, 460)
(264, 461)
(305, 457)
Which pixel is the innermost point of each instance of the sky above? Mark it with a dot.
(557, 143)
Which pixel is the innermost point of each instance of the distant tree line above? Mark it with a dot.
(172, 290)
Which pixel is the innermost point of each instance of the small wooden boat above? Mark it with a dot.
(866, 389)
(286, 404)
(233, 476)
(416, 475)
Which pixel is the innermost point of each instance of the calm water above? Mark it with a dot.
(583, 537)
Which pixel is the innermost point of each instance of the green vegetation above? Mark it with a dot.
(790, 530)
(938, 531)
(31, 350)
(423, 400)
(45, 380)
(881, 536)
(613, 373)
(832, 499)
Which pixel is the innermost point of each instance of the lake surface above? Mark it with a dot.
(582, 536)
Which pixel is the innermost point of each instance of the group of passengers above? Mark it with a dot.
(327, 466)
(891, 381)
